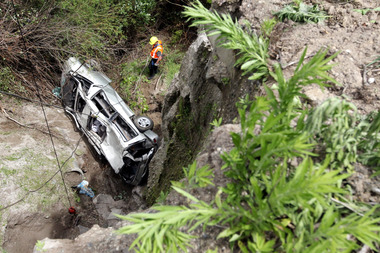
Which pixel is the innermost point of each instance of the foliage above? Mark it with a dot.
(345, 136)
(267, 26)
(55, 30)
(301, 12)
(111, 20)
(159, 231)
(200, 177)
(171, 63)
(217, 122)
(162, 197)
(6, 78)
(364, 11)
(271, 205)
(131, 79)
(369, 142)
(40, 246)
(76, 197)
(176, 37)
(102, 23)
(253, 49)
(314, 71)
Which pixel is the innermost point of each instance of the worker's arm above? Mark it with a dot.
(159, 54)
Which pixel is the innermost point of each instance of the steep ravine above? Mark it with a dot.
(208, 86)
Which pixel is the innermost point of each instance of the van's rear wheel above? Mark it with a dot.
(143, 123)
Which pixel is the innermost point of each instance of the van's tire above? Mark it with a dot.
(143, 123)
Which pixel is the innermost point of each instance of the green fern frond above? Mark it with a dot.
(252, 50)
(160, 231)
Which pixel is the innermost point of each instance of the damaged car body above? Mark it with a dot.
(124, 139)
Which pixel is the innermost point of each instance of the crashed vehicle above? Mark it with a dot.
(124, 139)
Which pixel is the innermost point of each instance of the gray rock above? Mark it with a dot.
(82, 229)
(94, 240)
(375, 190)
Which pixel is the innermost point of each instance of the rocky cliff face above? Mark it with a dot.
(200, 93)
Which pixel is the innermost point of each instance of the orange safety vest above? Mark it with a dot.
(157, 47)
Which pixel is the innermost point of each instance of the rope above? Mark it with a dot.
(44, 184)
(30, 100)
(41, 103)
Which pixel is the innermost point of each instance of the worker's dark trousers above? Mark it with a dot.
(152, 69)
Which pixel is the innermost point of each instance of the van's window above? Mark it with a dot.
(102, 104)
(127, 132)
(69, 92)
(86, 84)
(80, 103)
(97, 127)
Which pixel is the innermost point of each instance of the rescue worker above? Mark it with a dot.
(156, 55)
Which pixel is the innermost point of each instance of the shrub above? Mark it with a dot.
(171, 64)
(55, 30)
(301, 12)
(131, 80)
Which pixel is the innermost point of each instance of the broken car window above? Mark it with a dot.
(126, 131)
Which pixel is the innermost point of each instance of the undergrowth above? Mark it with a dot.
(272, 204)
(298, 11)
(97, 26)
(132, 79)
(58, 29)
(171, 64)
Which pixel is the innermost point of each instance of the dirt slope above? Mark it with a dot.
(27, 162)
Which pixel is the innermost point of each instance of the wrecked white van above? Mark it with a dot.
(124, 139)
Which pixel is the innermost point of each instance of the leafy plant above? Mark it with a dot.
(225, 80)
(131, 79)
(345, 136)
(253, 50)
(176, 37)
(159, 232)
(333, 124)
(7, 79)
(76, 197)
(171, 64)
(217, 122)
(267, 26)
(301, 12)
(200, 177)
(162, 197)
(364, 11)
(107, 21)
(369, 143)
(40, 246)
